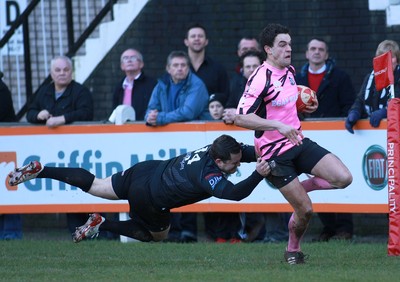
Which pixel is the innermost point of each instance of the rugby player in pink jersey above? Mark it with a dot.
(268, 106)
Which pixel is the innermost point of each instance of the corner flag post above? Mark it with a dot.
(383, 72)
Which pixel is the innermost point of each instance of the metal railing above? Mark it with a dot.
(49, 28)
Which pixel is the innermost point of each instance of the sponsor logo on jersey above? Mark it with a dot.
(284, 101)
(277, 86)
(213, 179)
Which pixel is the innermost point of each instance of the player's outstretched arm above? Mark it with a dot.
(241, 190)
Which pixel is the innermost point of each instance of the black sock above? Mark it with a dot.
(77, 177)
(129, 228)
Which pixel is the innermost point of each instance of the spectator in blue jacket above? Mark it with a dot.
(179, 95)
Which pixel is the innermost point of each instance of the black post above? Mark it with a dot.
(70, 24)
(27, 59)
(28, 69)
(111, 4)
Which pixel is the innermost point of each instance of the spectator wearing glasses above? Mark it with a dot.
(136, 87)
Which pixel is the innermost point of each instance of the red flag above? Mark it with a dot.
(383, 70)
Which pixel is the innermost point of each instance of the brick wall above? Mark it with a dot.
(352, 31)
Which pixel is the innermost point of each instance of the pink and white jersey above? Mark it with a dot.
(271, 93)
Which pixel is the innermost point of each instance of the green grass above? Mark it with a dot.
(37, 260)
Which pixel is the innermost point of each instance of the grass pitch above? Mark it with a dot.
(39, 260)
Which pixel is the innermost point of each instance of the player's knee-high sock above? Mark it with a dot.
(316, 183)
(129, 228)
(296, 233)
(78, 177)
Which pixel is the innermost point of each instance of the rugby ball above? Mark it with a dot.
(305, 97)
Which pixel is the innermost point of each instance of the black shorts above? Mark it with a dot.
(133, 185)
(297, 160)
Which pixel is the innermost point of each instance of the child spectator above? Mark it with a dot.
(216, 105)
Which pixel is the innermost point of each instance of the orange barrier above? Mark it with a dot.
(215, 127)
(26, 129)
(198, 207)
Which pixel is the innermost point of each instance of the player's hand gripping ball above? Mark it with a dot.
(306, 97)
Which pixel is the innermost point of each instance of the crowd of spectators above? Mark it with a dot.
(195, 86)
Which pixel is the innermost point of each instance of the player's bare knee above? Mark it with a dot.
(305, 212)
(308, 213)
